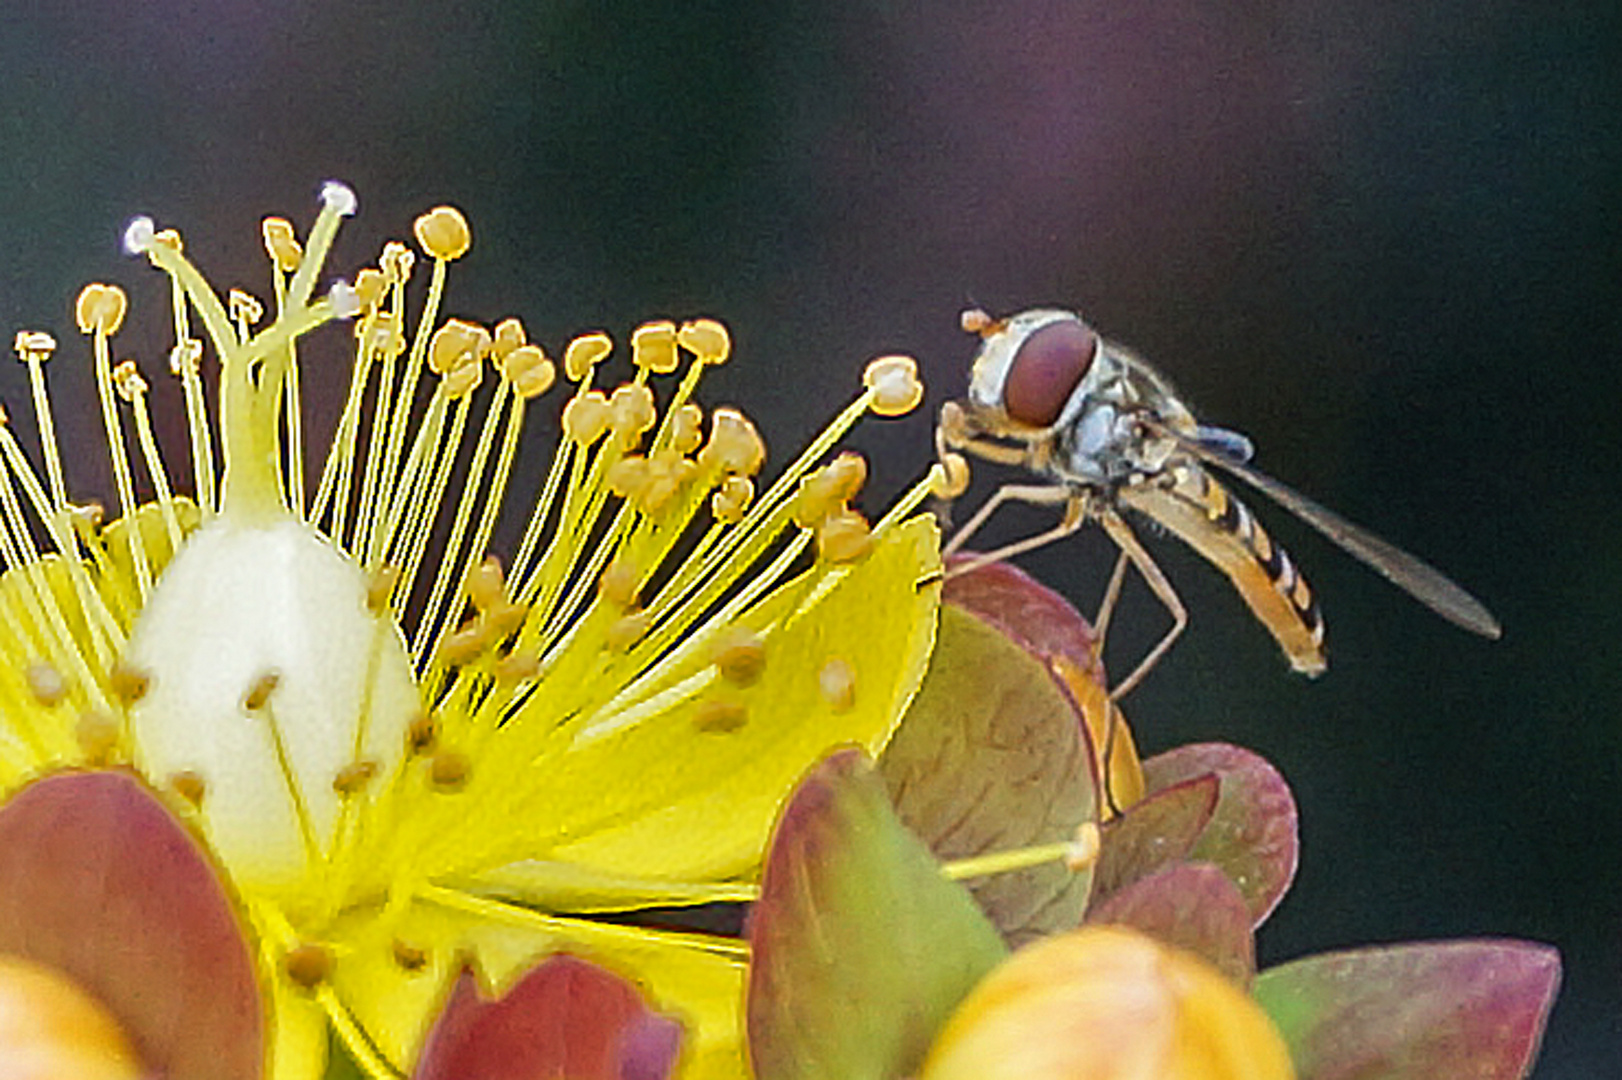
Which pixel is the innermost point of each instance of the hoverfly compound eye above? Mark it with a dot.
(1046, 369)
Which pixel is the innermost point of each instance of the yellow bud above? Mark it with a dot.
(1107, 1003)
(49, 1027)
(100, 309)
(443, 233)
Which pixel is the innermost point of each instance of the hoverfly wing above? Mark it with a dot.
(1414, 576)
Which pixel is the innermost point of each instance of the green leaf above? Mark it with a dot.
(1192, 906)
(992, 756)
(1414, 1012)
(861, 948)
(1253, 834)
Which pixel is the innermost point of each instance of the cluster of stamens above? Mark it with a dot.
(646, 552)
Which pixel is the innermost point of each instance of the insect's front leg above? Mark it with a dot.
(1074, 500)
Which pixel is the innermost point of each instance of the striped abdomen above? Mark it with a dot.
(1191, 503)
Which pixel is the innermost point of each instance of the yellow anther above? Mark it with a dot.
(975, 321)
(380, 587)
(502, 618)
(383, 334)
(128, 381)
(706, 339)
(185, 357)
(100, 309)
(826, 491)
(844, 536)
(667, 472)
(281, 243)
(396, 262)
(518, 667)
(740, 656)
(949, 477)
(585, 418)
(687, 429)
(370, 286)
(731, 500)
(189, 785)
(97, 735)
(837, 684)
(620, 582)
(409, 957)
(653, 346)
(627, 631)
(88, 516)
(46, 683)
(632, 411)
(464, 645)
(463, 380)
(894, 383)
(720, 717)
(584, 353)
(353, 778)
(735, 446)
(443, 233)
(422, 734)
(486, 584)
(128, 683)
(509, 336)
(449, 770)
(308, 964)
(258, 694)
(627, 476)
(530, 372)
(34, 345)
(456, 343)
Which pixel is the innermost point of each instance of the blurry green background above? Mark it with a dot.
(1382, 238)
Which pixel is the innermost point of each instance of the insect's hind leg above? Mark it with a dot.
(1120, 532)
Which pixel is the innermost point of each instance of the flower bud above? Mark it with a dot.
(1107, 1003)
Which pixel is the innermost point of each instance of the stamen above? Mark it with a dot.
(190, 786)
(34, 348)
(308, 964)
(132, 387)
(100, 311)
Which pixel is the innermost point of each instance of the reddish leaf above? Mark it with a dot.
(1414, 1012)
(1036, 617)
(1156, 832)
(1192, 906)
(564, 1018)
(992, 756)
(1252, 835)
(861, 949)
(99, 881)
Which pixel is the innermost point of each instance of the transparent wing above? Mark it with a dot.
(1414, 576)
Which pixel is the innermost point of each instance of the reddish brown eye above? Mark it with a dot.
(1046, 369)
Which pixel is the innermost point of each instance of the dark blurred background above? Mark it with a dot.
(1380, 237)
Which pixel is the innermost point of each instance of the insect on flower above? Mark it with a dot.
(1106, 433)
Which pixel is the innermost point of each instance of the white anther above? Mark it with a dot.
(339, 197)
(138, 235)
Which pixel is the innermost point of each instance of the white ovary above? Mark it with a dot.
(237, 604)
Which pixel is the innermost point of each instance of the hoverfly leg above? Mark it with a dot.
(1075, 515)
(1106, 606)
(1124, 538)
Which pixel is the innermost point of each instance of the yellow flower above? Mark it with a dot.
(402, 751)
(1107, 1003)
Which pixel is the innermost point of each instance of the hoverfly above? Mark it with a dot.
(1106, 432)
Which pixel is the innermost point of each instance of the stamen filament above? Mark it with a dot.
(121, 464)
(47, 432)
